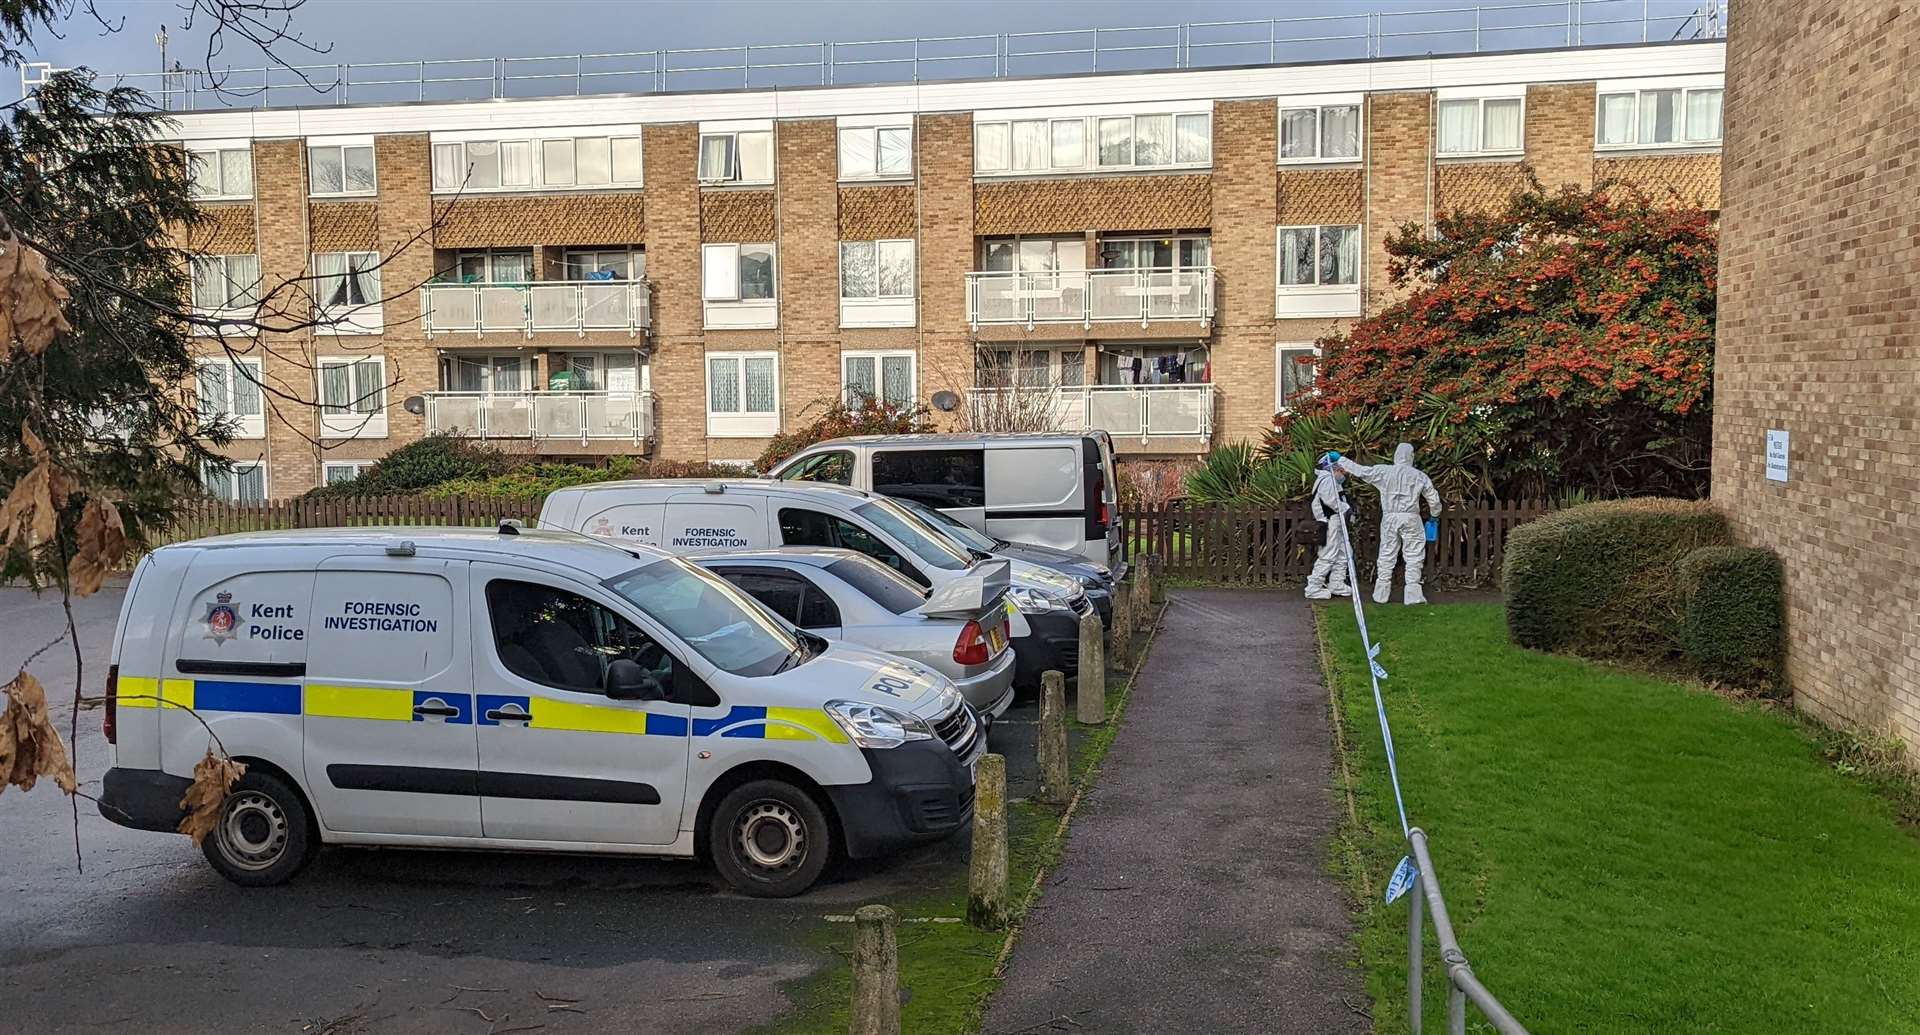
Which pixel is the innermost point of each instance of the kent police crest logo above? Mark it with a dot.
(223, 623)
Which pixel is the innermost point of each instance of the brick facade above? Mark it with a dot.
(1819, 270)
(1239, 200)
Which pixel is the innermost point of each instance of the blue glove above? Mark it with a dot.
(1332, 457)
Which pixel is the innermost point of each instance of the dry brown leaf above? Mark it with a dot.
(100, 543)
(31, 299)
(30, 747)
(213, 777)
(35, 500)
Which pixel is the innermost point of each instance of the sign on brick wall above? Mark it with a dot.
(1776, 455)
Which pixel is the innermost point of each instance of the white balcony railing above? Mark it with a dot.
(1125, 411)
(580, 416)
(563, 305)
(1087, 297)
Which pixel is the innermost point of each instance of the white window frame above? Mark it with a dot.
(536, 141)
(872, 134)
(358, 467)
(877, 309)
(1637, 89)
(1319, 106)
(879, 358)
(636, 256)
(1480, 99)
(741, 422)
(735, 174)
(880, 293)
(349, 318)
(341, 147)
(720, 295)
(245, 426)
(1282, 351)
(239, 311)
(991, 162)
(348, 420)
(217, 153)
(1320, 298)
(236, 467)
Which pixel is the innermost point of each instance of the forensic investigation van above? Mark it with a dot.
(520, 690)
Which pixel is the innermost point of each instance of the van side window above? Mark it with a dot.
(800, 527)
(792, 597)
(942, 478)
(563, 640)
(834, 467)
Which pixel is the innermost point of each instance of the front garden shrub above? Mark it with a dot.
(1602, 580)
(433, 460)
(1732, 628)
(532, 482)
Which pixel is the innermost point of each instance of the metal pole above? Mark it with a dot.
(1643, 19)
(746, 66)
(1272, 30)
(1476, 29)
(420, 85)
(1096, 49)
(576, 75)
(1414, 945)
(343, 83)
(1569, 23)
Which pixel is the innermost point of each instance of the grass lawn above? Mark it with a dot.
(1620, 854)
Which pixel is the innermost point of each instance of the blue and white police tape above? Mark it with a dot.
(1377, 673)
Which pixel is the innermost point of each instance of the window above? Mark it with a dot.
(801, 527)
(563, 640)
(1293, 373)
(742, 157)
(791, 596)
(1033, 254)
(226, 282)
(1117, 141)
(875, 152)
(1667, 117)
(885, 376)
(879, 584)
(353, 385)
(876, 269)
(1480, 125)
(244, 481)
(346, 284)
(229, 391)
(1163, 253)
(743, 394)
(1327, 133)
(835, 467)
(939, 478)
(737, 272)
(1319, 255)
(341, 169)
(604, 264)
(490, 266)
(333, 472)
(220, 174)
(562, 162)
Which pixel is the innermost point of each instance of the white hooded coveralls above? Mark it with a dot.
(1329, 578)
(1402, 532)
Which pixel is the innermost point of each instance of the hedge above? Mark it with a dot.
(1601, 580)
(1732, 615)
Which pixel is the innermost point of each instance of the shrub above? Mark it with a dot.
(431, 461)
(532, 482)
(870, 417)
(1601, 580)
(1731, 624)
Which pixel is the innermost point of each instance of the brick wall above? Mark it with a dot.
(944, 161)
(1820, 267)
(673, 253)
(1399, 142)
(1165, 202)
(1559, 134)
(1245, 198)
(280, 198)
(809, 268)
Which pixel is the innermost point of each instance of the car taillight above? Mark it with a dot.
(108, 725)
(1102, 514)
(971, 647)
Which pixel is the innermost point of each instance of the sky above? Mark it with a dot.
(412, 30)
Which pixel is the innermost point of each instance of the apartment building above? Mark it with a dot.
(685, 275)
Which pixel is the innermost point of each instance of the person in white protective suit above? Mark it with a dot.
(1329, 578)
(1402, 532)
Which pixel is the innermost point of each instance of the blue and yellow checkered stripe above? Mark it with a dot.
(388, 704)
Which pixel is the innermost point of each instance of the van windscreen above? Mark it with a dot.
(926, 543)
(724, 624)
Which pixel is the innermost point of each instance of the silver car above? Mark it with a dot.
(959, 630)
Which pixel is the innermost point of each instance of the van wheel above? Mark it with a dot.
(264, 835)
(770, 839)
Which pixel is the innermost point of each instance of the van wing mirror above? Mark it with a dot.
(628, 680)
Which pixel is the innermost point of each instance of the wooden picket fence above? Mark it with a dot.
(1262, 546)
(210, 517)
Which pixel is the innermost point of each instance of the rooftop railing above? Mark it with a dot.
(1543, 24)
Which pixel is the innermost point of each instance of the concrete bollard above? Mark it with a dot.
(876, 973)
(1090, 688)
(1143, 597)
(1055, 786)
(987, 874)
(1120, 634)
(1158, 567)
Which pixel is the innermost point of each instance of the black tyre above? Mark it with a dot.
(770, 839)
(264, 835)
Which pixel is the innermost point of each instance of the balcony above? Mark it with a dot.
(579, 306)
(550, 422)
(1087, 297)
(1141, 418)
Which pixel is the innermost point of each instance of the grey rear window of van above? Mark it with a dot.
(879, 584)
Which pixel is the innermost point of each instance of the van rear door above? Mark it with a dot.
(1103, 500)
(1035, 495)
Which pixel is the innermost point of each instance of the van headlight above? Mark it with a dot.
(1034, 601)
(876, 725)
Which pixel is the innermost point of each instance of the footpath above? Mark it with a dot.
(1194, 894)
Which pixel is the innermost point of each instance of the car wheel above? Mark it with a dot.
(770, 839)
(264, 834)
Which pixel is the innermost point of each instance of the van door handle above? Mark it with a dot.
(436, 709)
(501, 714)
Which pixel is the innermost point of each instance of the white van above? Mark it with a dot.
(516, 690)
(1054, 489)
(690, 516)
